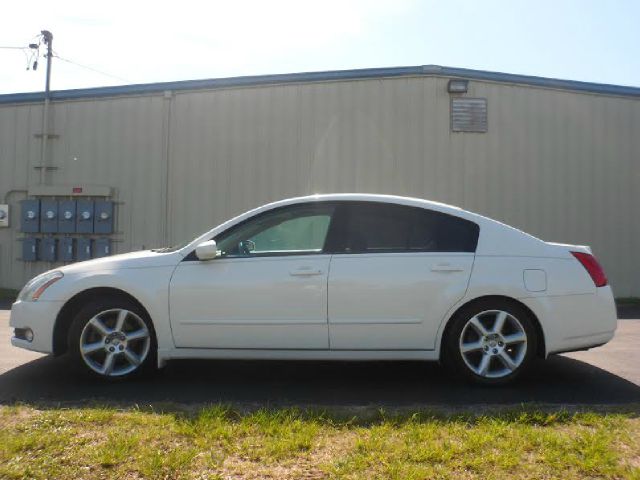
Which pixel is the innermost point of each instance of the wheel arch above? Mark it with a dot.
(75, 303)
(541, 344)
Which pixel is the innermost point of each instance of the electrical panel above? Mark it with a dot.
(30, 218)
(64, 224)
(48, 249)
(67, 216)
(83, 249)
(65, 249)
(48, 216)
(30, 249)
(4, 215)
(84, 216)
(103, 223)
(102, 247)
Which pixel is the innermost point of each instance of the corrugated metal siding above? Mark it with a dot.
(116, 143)
(560, 165)
(18, 151)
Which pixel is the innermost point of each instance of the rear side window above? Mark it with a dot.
(370, 227)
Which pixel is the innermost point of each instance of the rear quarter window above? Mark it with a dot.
(456, 234)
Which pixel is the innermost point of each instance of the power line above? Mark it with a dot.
(36, 54)
(91, 68)
(24, 50)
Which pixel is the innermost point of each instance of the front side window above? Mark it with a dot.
(370, 227)
(285, 231)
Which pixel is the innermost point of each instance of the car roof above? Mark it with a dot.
(365, 197)
(376, 197)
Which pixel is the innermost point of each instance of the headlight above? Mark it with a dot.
(36, 287)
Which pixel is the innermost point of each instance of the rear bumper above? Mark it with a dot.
(40, 318)
(575, 322)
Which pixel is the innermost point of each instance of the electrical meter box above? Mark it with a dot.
(102, 247)
(48, 216)
(83, 249)
(84, 216)
(48, 249)
(30, 249)
(4, 215)
(30, 217)
(67, 216)
(103, 222)
(65, 249)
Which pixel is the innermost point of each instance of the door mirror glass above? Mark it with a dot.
(207, 250)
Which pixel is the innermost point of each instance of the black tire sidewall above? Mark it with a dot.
(88, 311)
(453, 356)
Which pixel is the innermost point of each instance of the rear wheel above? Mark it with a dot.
(112, 338)
(491, 341)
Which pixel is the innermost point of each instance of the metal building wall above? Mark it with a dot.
(115, 142)
(561, 165)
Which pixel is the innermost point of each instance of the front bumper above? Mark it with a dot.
(40, 318)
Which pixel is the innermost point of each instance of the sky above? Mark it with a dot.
(139, 41)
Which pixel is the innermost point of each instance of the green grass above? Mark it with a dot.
(8, 294)
(219, 442)
(628, 300)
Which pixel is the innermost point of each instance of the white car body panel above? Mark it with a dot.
(393, 313)
(574, 322)
(265, 302)
(393, 301)
(144, 275)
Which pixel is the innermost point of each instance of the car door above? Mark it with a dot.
(266, 290)
(395, 273)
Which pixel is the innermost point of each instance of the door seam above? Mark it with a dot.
(328, 325)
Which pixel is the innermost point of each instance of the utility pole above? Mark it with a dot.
(48, 41)
(47, 36)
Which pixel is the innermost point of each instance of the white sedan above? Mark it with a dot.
(327, 277)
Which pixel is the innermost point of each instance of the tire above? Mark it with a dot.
(491, 342)
(118, 339)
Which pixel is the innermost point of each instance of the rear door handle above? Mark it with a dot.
(446, 267)
(306, 272)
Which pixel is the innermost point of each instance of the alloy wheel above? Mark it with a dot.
(493, 344)
(115, 342)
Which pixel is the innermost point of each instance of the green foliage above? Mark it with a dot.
(8, 294)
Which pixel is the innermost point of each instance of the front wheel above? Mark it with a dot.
(112, 338)
(491, 342)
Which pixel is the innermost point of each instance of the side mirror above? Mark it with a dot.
(207, 250)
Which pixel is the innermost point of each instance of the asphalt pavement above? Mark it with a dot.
(608, 375)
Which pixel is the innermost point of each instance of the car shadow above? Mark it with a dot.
(559, 380)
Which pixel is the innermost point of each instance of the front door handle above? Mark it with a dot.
(446, 267)
(306, 272)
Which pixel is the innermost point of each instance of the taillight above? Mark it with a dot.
(592, 266)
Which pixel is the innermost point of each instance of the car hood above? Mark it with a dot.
(140, 259)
